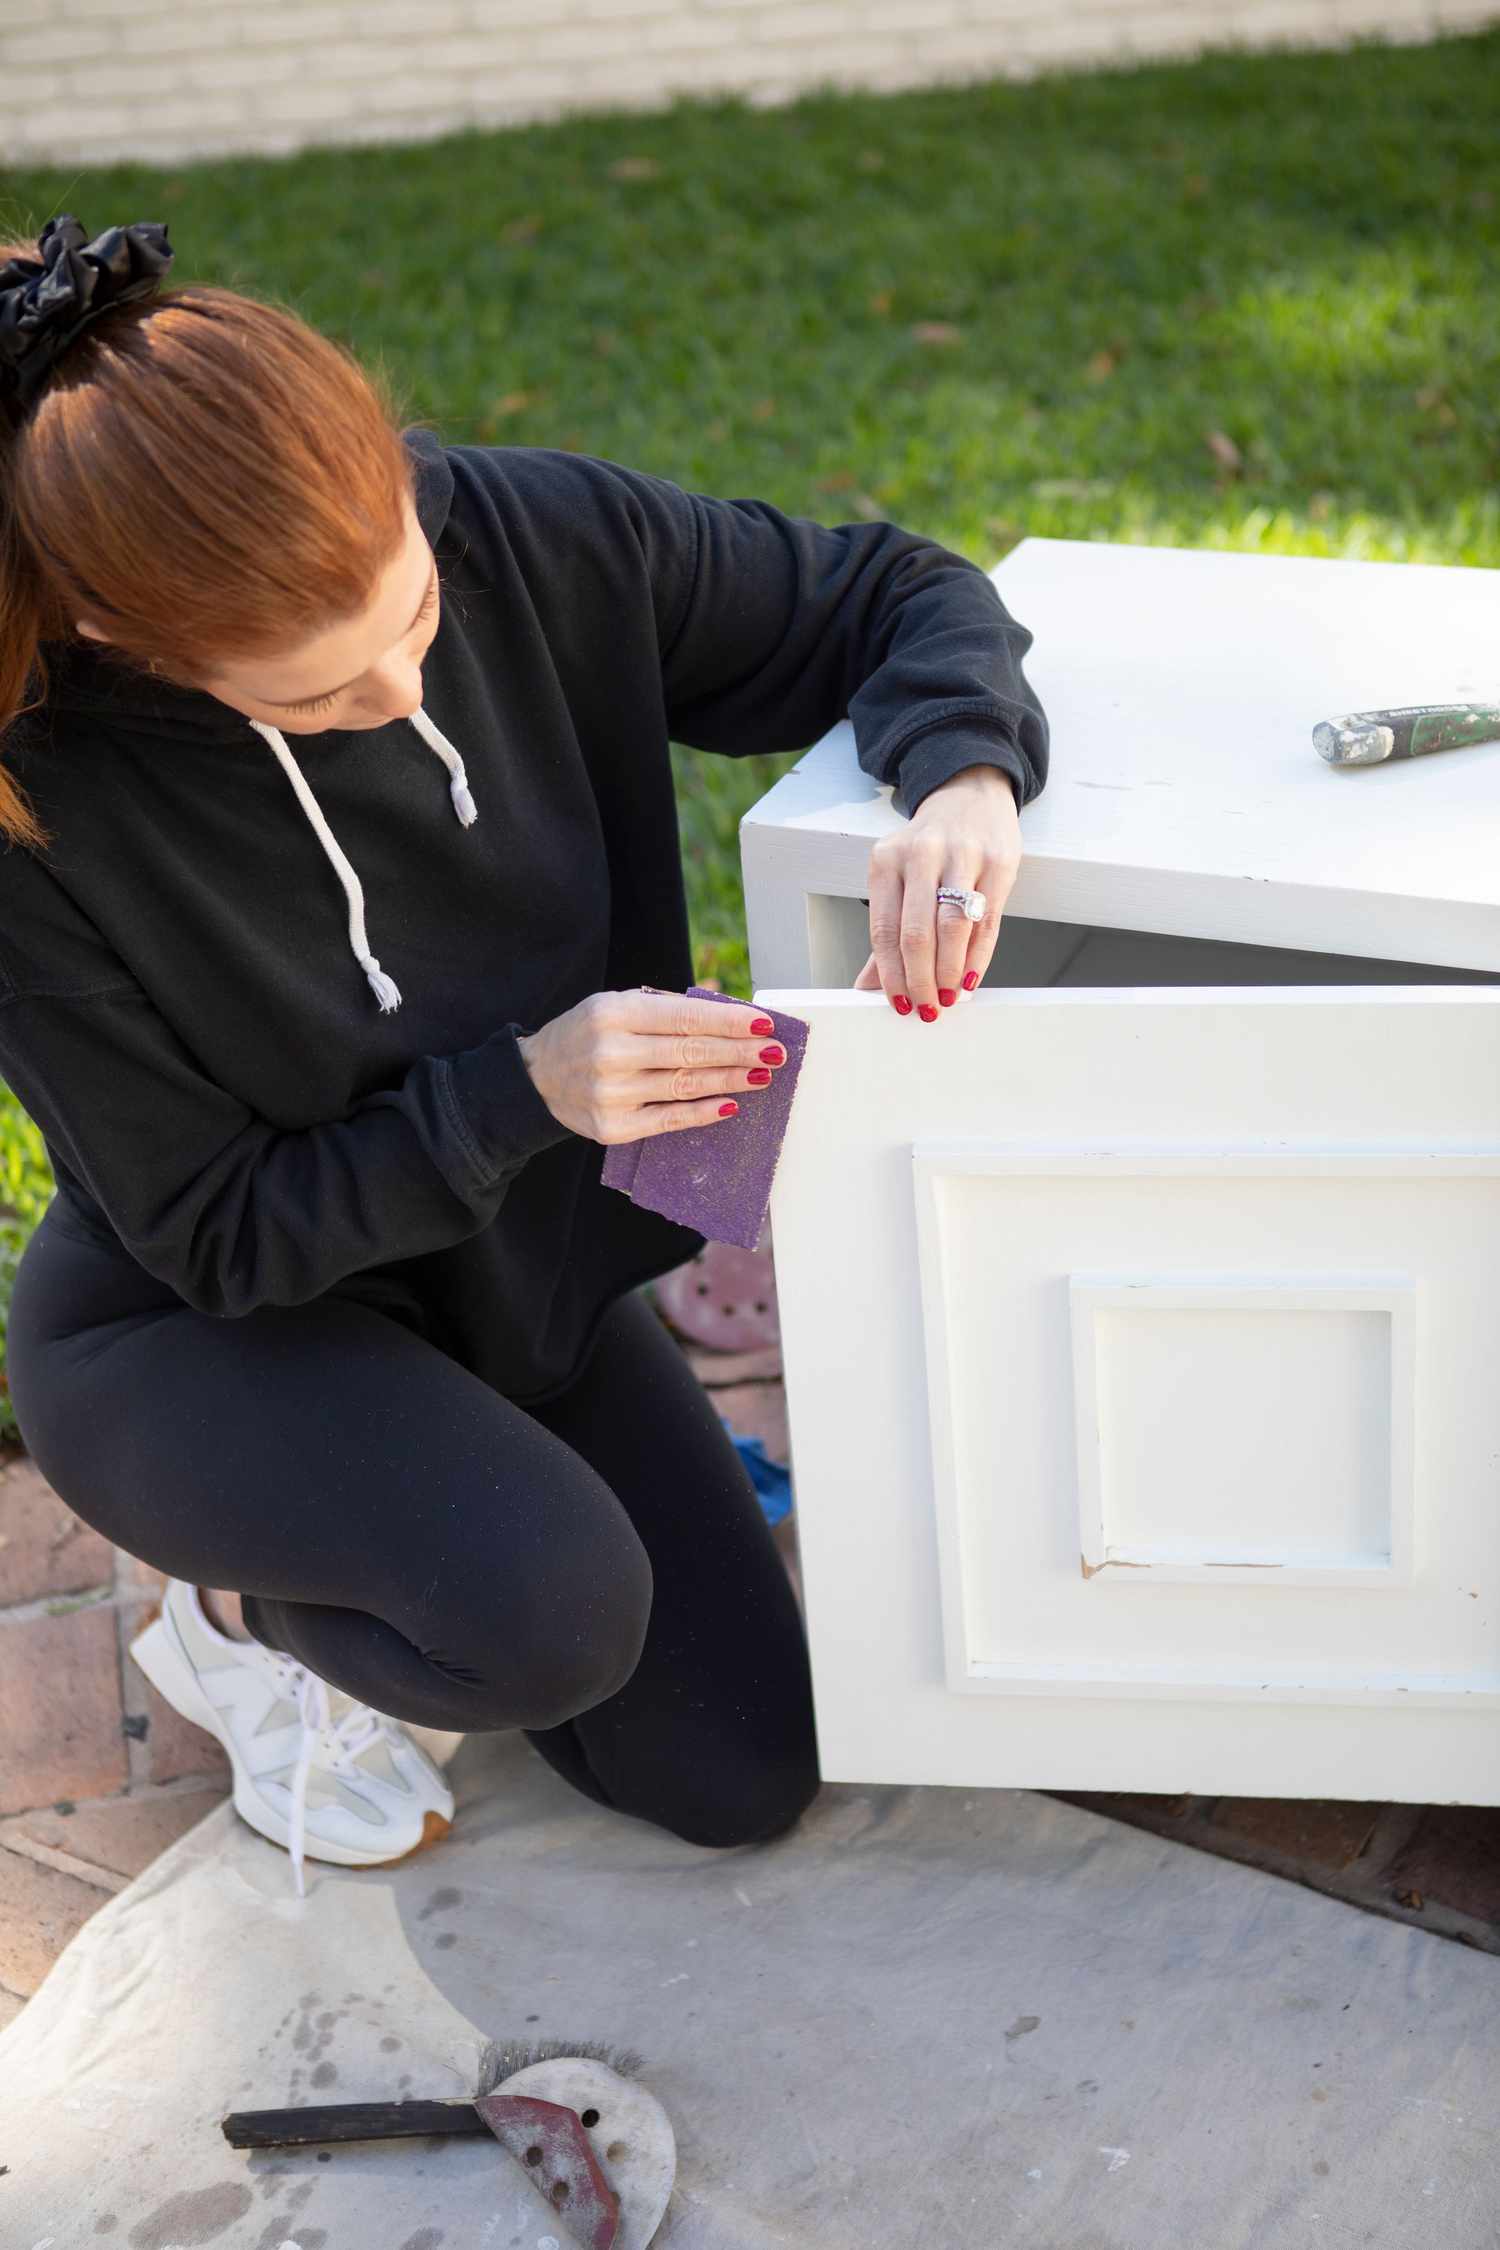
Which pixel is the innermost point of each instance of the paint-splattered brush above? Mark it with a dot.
(1368, 738)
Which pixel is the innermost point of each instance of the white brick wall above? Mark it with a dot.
(87, 81)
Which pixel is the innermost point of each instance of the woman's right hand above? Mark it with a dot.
(622, 1065)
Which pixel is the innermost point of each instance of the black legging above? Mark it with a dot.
(596, 1571)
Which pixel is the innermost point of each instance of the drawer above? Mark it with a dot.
(1138, 1345)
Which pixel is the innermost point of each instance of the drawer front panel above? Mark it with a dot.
(1130, 1450)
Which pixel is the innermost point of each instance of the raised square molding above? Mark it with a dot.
(1020, 1479)
(1247, 1430)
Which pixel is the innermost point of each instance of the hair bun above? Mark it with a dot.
(45, 301)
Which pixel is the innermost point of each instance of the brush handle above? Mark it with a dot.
(348, 2121)
(1368, 738)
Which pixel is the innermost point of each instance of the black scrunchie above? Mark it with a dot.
(45, 301)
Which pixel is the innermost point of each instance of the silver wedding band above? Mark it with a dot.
(972, 903)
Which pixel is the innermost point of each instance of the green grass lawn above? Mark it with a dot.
(1241, 302)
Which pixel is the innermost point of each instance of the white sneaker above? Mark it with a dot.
(314, 1771)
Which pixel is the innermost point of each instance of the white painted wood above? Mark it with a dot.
(1317, 1169)
(1182, 686)
(1137, 1317)
(1176, 1482)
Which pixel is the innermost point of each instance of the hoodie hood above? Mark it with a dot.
(84, 680)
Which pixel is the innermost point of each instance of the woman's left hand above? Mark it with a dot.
(966, 832)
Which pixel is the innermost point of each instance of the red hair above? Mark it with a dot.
(204, 476)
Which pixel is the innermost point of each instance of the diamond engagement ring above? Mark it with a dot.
(972, 902)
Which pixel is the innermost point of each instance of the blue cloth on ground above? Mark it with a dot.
(770, 1479)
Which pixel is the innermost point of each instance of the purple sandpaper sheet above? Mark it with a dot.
(716, 1178)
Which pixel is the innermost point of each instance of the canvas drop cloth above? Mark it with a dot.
(930, 2017)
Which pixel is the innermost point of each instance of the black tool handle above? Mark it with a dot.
(348, 2121)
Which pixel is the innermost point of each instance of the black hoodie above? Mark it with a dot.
(184, 1012)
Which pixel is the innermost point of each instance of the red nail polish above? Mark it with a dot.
(727, 1109)
(759, 1077)
(971, 978)
(928, 1015)
(760, 1026)
(946, 996)
(772, 1055)
(901, 1004)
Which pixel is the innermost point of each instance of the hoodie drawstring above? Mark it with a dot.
(383, 987)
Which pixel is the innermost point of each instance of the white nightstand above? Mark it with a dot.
(1141, 1317)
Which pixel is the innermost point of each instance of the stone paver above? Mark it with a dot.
(178, 1748)
(44, 1549)
(137, 1577)
(40, 1910)
(111, 1839)
(168, 1746)
(1128, 1804)
(60, 1708)
(1328, 1831)
(1434, 1866)
(1453, 1860)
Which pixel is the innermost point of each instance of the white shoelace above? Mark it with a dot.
(341, 1741)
